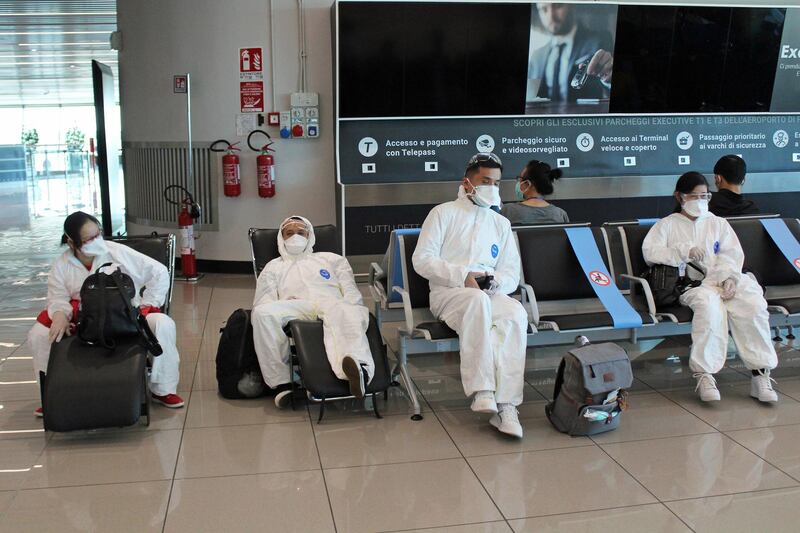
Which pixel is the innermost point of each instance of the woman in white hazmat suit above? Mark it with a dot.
(308, 285)
(87, 252)
(726, 296)
(460, 242)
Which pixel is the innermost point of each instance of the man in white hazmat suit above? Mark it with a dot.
(308, 285)
(87, 252)
(726, 296)
(462, 242)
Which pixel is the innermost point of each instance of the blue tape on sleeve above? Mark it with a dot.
(585, 248)
(647, 221)
(783, 239)
(395, 267)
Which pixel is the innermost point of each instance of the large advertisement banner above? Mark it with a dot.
(571, 58)
(786, 89)
(391, 151)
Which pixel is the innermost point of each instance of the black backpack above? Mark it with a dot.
(107, 314)
(238, 373)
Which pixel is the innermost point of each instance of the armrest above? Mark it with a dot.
(527, 290)
(377, 291)
(407, 311)
(648, 294)
(375, 272)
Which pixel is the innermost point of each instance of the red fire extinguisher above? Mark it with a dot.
(265, 166)
(231, 180)
(190, 211)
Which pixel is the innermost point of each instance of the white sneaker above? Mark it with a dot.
(761, 387)
(483, 402)
(507, 420)
(706, 387)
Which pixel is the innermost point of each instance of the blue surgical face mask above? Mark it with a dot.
(520, 193)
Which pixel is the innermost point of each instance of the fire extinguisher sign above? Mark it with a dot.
(251, 79)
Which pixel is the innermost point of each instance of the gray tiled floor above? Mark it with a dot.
(242, 465)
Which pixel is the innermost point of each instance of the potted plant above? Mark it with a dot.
(75, 140)
(29, 139)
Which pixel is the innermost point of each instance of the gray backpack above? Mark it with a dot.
(589, 393)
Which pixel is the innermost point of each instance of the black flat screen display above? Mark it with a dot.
(695, 59)
(432, 59)
(427, 59)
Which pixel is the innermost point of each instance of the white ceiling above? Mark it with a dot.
(46, 48)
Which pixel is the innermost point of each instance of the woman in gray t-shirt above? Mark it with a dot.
(533, 184)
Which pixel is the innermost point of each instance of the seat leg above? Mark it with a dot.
(321, 410)
(777, 337)
(41, 396)
(147, 402)
(405, 378)
(375, 405)
(790, 333)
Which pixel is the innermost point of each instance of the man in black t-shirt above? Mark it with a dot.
(729, 175)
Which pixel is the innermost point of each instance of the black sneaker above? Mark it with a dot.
(355, 376)
(283, 398)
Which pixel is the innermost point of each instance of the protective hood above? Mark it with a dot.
(311, 239)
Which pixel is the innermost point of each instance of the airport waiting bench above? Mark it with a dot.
(763, 258)
(555, 290)
(558, 295)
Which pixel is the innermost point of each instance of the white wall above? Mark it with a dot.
(166, 37)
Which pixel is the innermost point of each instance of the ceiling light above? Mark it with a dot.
(57, 14)
(57, 54)
(37, 63)
(82, 32)
(88, 43)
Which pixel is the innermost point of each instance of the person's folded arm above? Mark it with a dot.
(347, 281)
(427, 258)
(656, 251)
(729, 257)
(507, 270)
(266, 286)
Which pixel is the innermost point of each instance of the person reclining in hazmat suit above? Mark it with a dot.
(307, 285)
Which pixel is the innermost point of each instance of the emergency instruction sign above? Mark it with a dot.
(251, 96)
(251, 79)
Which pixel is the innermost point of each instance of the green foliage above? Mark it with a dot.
(75, 139)
(30, 138)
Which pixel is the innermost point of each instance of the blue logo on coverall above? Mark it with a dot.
(716, 247)
(495, 251)
(325, 274)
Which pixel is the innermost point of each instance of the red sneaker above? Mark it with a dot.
(39, 413)
(173, 401)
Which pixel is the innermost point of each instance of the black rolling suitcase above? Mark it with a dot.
(238, 373)
(90, 387)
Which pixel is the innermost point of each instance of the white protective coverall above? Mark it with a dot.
(64, 284)
(668, 243)
(457, 238)
(309, 286)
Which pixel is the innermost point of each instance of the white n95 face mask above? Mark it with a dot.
(696, 208)
(296, 244)
(486, 195)
(95, 247)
